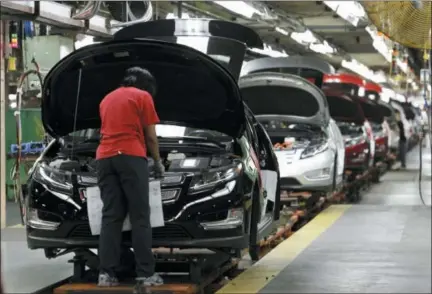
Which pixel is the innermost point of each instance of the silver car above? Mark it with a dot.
(294, 111)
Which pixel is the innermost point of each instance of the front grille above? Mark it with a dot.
(168, 232)
(289, 182)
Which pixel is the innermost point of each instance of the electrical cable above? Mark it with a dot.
(15, 172)
(429, 113)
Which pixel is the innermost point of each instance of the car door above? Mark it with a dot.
(340, 147)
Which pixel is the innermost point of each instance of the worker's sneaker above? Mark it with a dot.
(106, 280)
(154, 280)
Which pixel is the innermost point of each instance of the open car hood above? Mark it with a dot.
(279, 94)
(371, 110)
(386, 110)
(311, 68)
(344, 108)
(288, 86)
(193, 88)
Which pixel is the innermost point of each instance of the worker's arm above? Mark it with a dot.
(152, 141)
(150, 119)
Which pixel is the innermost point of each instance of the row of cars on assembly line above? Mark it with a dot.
(232, 144)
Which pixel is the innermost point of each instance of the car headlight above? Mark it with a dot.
(53, 178)
(211, 178)
(314, 150)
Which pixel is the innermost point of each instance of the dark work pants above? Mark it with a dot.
(402, 152)
(124, 184)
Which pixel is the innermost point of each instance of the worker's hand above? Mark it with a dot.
(159, 169)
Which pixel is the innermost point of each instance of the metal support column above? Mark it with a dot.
(2, 126)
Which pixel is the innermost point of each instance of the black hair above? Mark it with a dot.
(140, 78)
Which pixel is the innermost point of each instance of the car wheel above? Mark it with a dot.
(254, 221)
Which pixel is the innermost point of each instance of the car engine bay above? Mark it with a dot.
(175, 157)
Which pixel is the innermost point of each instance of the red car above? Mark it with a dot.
(350, 118)
(354, 87)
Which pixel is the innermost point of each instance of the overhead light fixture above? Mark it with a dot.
(304, 38)
(239, 7)
(380, 43)
(351, 11)
(363, 70)
(399, 97)
(269, 51)
(281, 31)
(87, 40)
(402, 65)
(387, 94)
(322, 48)
(173, 16)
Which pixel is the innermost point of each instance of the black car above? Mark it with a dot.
(227, 199)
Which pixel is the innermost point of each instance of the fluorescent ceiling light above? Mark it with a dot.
(386, 94)
(363, 71)
(380, 44)
(351, 11)
(87, 40)
(323, 48)
(402, 65)
(304, 38)
(239, 7)
(400, 97)
(173, 16)
(269, 51)
(282, 31)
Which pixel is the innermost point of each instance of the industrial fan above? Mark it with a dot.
(408, 23)
(405, 22)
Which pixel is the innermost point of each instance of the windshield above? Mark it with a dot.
(350, 129)
(162, 130)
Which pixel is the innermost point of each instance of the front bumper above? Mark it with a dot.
(309, 174)
(172, 235)
(217, 222)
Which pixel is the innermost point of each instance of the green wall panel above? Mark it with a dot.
(32, 130)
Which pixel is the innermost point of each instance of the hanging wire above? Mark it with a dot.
(76, 111)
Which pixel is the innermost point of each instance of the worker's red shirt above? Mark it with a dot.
(124, 113)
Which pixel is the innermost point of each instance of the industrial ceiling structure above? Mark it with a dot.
(338, 31)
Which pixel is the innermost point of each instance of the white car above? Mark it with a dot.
(307, 142)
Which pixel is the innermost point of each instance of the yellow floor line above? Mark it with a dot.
(264, 271)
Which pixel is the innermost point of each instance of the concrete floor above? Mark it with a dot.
(382, 245)
(370, 249)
